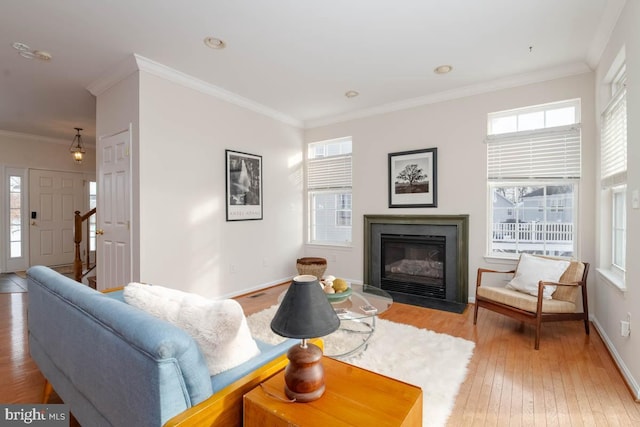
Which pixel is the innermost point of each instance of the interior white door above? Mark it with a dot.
(53, 199)
(113, 234)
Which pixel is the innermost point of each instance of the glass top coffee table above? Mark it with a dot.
(358, 313)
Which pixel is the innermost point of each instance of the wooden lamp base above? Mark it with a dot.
(304, 375)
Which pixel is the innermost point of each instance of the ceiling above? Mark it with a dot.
(291, 57)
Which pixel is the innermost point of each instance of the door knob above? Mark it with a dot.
(99, 232)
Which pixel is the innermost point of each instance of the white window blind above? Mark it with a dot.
(329, 181)
(613, 168)
(329, 173)
(551, 153)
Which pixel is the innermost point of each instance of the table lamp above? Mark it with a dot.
(304, 313)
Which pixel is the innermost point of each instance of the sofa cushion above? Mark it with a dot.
(532, 269)
(218, 326)
(524, 301)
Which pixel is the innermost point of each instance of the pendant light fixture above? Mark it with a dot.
(77, 147)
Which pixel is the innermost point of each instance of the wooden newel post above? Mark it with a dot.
(77, 239)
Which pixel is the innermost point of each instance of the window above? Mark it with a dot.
(533, 172)
(613, 174)
(329, 192)
(15, 216)
(92, 219)
(619, 225)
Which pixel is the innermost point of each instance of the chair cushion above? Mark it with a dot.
(524, 301)
(571, 275)
(532, 269)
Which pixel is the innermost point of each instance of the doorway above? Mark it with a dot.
(53, 198)
(113, 233)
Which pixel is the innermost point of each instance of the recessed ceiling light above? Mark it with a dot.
(214, 43)
(443, 69)
(351, 94)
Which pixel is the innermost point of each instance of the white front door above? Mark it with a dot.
(113, 234)
(53, 199)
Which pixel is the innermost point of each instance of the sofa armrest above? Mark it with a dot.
(224, 408)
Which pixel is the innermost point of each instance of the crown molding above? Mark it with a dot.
(33, 138)
(606, 26)
(139, 63)
(463, 92)
(121, 71)
(168, 73)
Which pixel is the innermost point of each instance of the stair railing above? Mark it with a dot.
(78, 272)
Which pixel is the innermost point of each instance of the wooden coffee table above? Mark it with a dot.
(353, 396)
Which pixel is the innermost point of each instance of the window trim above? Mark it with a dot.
(503, 173)
(613, 176)
(618, 190)
(17, 263)
(328, 186)
(576, 103)
(525, 183)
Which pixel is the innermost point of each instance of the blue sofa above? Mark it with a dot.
(115, 365)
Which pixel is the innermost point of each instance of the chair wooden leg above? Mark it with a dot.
(586, 325)
(538, 328)
(46, 392)
(475, 313)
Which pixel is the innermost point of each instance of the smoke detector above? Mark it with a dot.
(26, 52)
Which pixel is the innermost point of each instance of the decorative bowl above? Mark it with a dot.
(340, 296)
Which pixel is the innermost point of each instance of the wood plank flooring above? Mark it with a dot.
(570, 381)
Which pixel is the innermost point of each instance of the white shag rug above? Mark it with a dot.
(435, 362)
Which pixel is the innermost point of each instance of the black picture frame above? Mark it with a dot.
(243, 183)
(413, 179)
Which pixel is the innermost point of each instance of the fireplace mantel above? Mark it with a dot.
(458, 223)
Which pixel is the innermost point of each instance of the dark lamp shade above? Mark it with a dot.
(305, 311)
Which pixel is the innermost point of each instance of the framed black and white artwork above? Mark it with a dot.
(413, 179)
(243, 186)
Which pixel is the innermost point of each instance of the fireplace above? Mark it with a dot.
(413, 264)
(419, 260)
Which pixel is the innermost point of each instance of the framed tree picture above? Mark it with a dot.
(413, 179)
(243, 186)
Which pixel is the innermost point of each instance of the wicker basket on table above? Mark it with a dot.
(312, 265)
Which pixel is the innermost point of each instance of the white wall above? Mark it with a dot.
(457, 128)
(612, 304)
(36, 152)
(185, 241)
(116, 109)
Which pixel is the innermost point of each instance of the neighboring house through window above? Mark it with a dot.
(329, 192)
(533, 172)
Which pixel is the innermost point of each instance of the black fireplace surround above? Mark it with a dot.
(419, 259)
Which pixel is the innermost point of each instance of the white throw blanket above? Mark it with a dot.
(218, 326)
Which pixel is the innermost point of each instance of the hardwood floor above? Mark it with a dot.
(571, 380)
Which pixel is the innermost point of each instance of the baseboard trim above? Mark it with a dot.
(632, 384)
